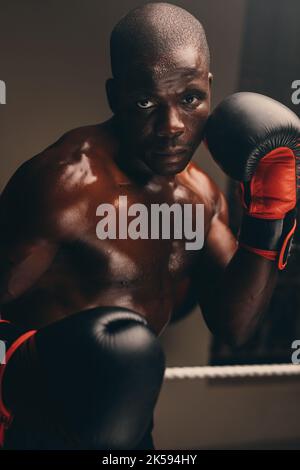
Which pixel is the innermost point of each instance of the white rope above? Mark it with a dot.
(264, 370)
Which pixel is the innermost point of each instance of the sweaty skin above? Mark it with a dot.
(56, 265)
(52, 263)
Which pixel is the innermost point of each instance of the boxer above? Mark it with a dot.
(52, 263)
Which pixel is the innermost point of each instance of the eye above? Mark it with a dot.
(191, 99)
(145, 104)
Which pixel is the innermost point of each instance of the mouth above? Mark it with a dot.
(171, 153)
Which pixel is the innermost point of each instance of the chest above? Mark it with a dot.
(133, 236)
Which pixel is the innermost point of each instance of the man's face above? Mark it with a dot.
(161, 110)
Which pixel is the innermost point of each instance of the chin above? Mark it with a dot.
(169, 170)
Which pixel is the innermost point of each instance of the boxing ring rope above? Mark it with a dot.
(223, 372)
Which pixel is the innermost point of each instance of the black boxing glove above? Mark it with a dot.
(103, 371)
(255, 140)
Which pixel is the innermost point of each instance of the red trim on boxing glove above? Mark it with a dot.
(282, 256)
(284, 252)
(272, 191)
(270, 255)
(270, 239)
(269, 200)
(6, 416)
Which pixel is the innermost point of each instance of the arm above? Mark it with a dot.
(255, 140)
(27, 239)
(238, 284)
(40, 209)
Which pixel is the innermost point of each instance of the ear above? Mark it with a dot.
(210, 79)
(110, 87)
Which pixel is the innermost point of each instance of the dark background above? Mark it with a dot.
(54, 58)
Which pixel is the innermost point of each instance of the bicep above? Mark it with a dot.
(219, 248)
(220, 244)
(26, 251)
(22, 264)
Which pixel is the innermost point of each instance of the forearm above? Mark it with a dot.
(255, 140)
(239, 296)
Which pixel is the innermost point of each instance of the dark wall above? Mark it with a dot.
(270, 59)
(54, 58)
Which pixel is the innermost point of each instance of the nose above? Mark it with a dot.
(170, 124)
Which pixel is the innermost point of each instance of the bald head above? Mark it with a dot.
(151, 33)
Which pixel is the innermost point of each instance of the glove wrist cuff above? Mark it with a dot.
(270, 239)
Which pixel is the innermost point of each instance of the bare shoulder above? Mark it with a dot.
(204, 188)
(69, 149)
(46, 187)
(67, 163)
